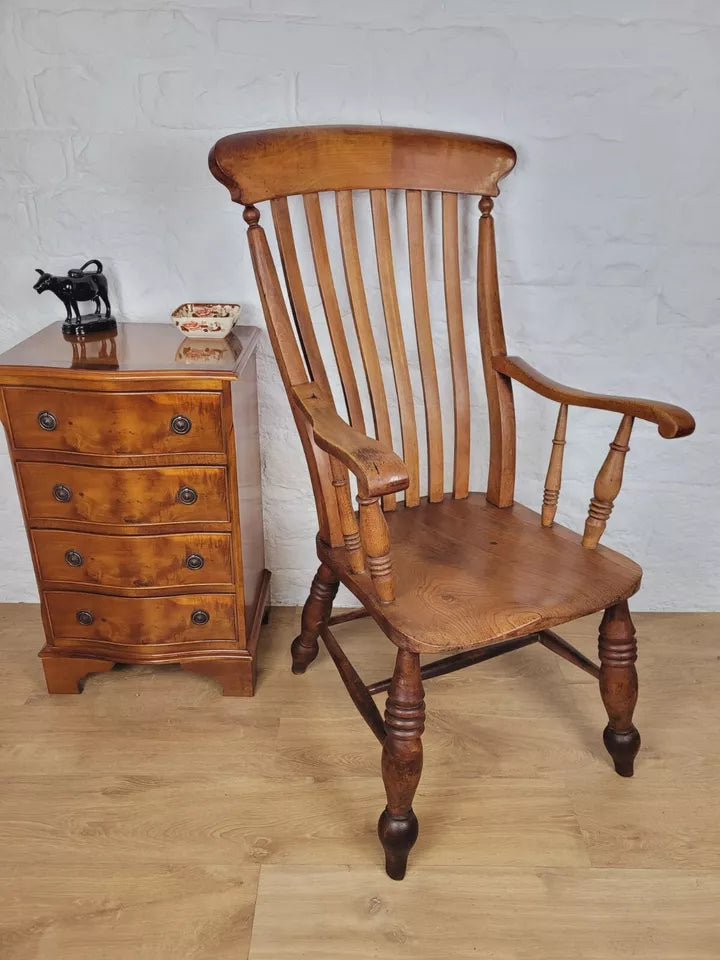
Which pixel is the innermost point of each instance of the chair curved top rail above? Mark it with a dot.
(266, 164)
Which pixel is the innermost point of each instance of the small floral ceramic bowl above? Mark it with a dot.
(209, 321)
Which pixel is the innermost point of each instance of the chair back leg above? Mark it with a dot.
(315, 615)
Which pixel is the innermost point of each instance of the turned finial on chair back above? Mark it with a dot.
(360, 165)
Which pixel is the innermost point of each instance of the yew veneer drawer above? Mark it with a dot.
(114, 423)
(62, 491)
(92, 616)
(182, 559)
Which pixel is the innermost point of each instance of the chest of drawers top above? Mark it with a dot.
(137, 356)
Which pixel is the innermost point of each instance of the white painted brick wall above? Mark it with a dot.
(608, 230)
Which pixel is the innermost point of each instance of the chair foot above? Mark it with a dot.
(302, 655)
(316, 613)
(623, 748)
(402, 760)
(397, 835)
(619, 686)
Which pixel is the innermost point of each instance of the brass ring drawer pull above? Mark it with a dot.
(200, 617)
(84, 617)
(73, 558)
(181, 424)
(47, 420)
(187, 495)
(62, 493)
(194, 562)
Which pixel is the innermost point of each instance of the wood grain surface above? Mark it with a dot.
(115, 424)
(260, 165)
(137, 620)
(134, 564)
(152, 819)
(469, 573)
(134, 496)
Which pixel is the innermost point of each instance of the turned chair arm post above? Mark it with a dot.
(348, 519)
(375, 538)
(607, 485)
(379, 471)
(553, 479)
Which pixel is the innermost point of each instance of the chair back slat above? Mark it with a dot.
(363, 326)
(296, 290)
(318, 243)
(398, 355)
(426, 351)
(456, 338)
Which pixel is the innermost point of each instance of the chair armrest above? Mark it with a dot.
(671, 421)
(379, 471)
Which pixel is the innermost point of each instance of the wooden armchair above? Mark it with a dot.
(473, 573)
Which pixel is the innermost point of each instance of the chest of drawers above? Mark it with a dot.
(137, 462)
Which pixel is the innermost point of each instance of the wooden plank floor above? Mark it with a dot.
(153, 818)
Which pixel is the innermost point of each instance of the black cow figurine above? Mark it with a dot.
(79, 286)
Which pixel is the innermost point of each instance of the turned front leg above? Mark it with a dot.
(316, 614)
(402, 760)
(619, 686)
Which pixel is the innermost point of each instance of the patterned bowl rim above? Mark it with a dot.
(234, 308)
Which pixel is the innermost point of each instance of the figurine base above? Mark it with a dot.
(88, 325)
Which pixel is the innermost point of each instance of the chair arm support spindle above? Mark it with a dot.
(376, 543)
(379, 471)
(607, 485)
(554, 474)
(348, 520)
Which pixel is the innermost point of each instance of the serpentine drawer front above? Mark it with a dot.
(137, 461)
(128, 495)
(130, 563)
(92, 616)
(115, 424)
